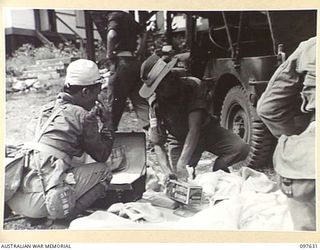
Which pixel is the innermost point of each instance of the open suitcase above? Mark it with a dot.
(128, 161)
(128, 184)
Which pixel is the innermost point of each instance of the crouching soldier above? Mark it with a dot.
(180, 109)
(290, 96)
(54, 186)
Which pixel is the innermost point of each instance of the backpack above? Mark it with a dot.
(13, 174)
(14, 168)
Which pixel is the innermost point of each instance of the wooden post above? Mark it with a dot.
(169, 27)
(89, 35)
(37, 19)
(52, 20)
(190, 30)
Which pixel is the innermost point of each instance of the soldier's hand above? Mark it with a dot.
(69, 179)
(102, 112)
(107, 133)
(111, 64)
(169, 177)
(107, 179)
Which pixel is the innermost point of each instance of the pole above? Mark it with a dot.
(89, 36)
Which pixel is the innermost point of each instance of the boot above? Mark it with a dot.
(86, 200)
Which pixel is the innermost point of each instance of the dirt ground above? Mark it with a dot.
(21, 107)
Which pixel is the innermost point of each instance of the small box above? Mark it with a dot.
(184, 192)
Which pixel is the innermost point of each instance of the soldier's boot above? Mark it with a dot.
(86, 200)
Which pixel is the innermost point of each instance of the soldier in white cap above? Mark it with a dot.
(54, 186)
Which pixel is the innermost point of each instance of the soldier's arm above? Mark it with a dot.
(97, 144)
(195, 121)
(279, 104)
(111, 42)
(158, 137)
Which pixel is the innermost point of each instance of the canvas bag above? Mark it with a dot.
(13, 175)
(14, 168)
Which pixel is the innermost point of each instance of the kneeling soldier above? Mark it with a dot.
(54, 186)
(182, 118)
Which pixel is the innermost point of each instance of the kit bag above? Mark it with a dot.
(14, 168)
(13, 175)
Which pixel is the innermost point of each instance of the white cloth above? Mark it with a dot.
(220, 185)
(159, 199)
(249, 202)
(137, 211)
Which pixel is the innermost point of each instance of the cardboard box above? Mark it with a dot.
(184, 192)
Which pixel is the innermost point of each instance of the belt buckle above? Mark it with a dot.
(26, 153)
(125, 53)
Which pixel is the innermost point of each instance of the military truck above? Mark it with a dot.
(237, 55)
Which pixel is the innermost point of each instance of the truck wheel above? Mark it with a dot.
(239, 115)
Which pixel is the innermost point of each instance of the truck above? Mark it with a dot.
(236, 55)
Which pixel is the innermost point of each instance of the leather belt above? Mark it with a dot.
(125, 53)
(49, 150)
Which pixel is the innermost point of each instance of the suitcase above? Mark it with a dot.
(128, 183)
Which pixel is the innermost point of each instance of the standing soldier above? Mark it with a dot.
(290, 94)
(122, 36)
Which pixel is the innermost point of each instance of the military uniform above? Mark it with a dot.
(172, 122)
(290, 96)
(73, 132)
(124, 81)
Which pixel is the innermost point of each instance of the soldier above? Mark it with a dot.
(53, 186)
(181, 114)
(122, 36)
(289, 96)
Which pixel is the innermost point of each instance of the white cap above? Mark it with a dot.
(167, 48)
(82, 72)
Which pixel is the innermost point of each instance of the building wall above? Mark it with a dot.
(68, 16)
(7, 18)
(25, 19)
(75, 19)
(19, 18)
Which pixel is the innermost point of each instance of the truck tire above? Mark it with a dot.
(239, 115)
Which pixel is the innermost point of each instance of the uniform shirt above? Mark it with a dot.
(291, 90)
(127, 30)
(294, 156)
(172, 115)
(74, 131)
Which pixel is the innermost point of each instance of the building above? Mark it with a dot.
(41, 26)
